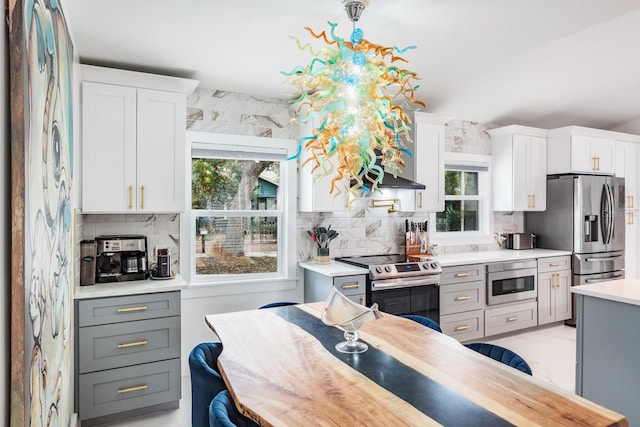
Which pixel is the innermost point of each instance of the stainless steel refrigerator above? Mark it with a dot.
(585, 215)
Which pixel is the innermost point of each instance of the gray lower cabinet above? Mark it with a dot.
(127, 356)
(554, 289)
(462, 300)
(510, 317)
(317, 286)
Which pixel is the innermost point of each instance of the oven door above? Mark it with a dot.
(416, 295)
(511, 286)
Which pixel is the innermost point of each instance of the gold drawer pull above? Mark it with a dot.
(351, 286)
(420, 200)
(133, 344)
(142, 197)
(465, 274)
(130, 309)
(555, 264)
(512, 319)
(463, 298)
(462, 328)
(130, 389)
(131, 197)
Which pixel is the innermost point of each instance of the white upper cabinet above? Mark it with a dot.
(428, 161)
(627, 163)
(575, 149)
(519, 168)
(133, 143)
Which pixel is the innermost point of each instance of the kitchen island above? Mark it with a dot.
(608, 345)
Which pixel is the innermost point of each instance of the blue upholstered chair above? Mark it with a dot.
(206, 381)
(501, 354)
(423, 321)
(223, 413)
(277, 304)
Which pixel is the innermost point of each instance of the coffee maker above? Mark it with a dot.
(121, 258)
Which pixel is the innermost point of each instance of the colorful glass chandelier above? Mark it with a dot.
(358, 99)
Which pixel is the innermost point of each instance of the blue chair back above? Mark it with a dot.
(206, 381)
(277, 304)
(501, 354)
(423, 321)
(223, 413)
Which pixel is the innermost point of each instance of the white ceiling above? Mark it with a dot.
(545, 63)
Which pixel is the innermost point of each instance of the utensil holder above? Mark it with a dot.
(323, 256)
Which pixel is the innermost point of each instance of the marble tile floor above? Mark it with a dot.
(550, 352)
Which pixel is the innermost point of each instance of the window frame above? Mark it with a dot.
(485, 232)
(205, 144)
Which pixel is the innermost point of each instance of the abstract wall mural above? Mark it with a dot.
(42, 58)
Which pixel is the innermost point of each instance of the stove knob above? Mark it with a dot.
(378, 270)
(387, 269)
(434, 265)
(426, 265)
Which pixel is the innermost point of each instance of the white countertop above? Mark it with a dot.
(622, 290)
(334, 268)
(134, 287)
(480, 257)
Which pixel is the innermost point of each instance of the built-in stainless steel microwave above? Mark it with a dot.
(512, 281)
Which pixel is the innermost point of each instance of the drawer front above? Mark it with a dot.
(463, 326)
(124, 389)
(351, 285)
(554, 264)
(463, 273)
(124, 344)
(510, 318)
(101, 311)
(460, 297)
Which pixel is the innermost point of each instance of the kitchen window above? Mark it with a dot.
(467, 202)
(242, 209)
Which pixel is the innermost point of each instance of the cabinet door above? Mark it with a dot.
(592, 154)
(537, 173)
(161, 151)
(108, 148)
(429, 166)
(631, 245)
(631, 161)
(562, 295)
(546, 312)
(521, 170)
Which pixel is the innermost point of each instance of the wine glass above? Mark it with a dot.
(340, 311)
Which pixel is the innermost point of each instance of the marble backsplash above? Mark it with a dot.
(162, 231)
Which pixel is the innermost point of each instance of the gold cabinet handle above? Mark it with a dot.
(130, 309)
(462, 298)
(598, 159)
(632, 201)
(512, 319)
(465, 274)
(133, 344)
(420, 199)
(350, 286)
(630, 218)
(142, 197)
(361, 300)
(528, 200)
(131, 197)
(462, 328)
(533, 196)
(555, 264)
(130, 389)
(555, 280)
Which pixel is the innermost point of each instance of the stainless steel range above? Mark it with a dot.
(401, 287)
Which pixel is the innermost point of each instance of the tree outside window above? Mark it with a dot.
(235, 206)
(462, 202)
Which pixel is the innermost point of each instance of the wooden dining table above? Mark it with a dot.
(282, 369)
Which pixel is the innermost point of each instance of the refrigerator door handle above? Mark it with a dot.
(604, 214)
(615, 276)
(606, 258)
(612, 213)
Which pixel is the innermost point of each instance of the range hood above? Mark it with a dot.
(392, 182)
